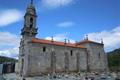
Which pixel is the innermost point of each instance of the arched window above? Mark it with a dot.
(22, 65)
(31, 23)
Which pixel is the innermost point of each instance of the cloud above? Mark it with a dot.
(55, 3)
(10, 16)
(66, 24)
(7, 38)
(61, 37)
(12, 52)
(9, 44)
(111, 38)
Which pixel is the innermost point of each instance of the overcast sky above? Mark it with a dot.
(71, 19)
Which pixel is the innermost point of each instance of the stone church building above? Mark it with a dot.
(40, 56)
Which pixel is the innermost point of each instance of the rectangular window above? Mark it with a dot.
(71, 52)
(44, 49)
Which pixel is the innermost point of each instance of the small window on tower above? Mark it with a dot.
(44, 49)
(71, 52)
(22, 64)
(30, 26)
(99, 55)
(31, 20)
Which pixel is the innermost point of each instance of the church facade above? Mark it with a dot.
(40, 56)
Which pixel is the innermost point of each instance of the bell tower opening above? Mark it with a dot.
(31, 23)
(31, 20)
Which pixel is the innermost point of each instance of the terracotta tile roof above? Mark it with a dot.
(87, 41)
(43, 41)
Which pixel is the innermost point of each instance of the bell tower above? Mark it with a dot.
(29, 30)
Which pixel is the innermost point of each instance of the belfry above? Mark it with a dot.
(29, 29)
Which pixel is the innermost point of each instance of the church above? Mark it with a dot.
(42, 57)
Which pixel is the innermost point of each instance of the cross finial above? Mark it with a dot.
(86, 37)
(31, 2)
(65, 41)
(68, 41)
(52, 39)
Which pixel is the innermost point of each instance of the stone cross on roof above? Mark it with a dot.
(65, 41)
(86, 37)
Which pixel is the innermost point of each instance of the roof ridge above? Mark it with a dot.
(54, 41)
(44, 41)
(88, 41)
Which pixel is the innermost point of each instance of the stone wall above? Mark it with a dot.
(96, 57)
(54, 59)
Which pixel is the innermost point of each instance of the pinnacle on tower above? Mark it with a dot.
(102, 41)
(31, 5)
(31, 2)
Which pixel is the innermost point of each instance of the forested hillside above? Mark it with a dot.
(6, 59)
(114, 60)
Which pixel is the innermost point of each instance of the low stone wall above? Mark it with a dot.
(80, 76)
(73, 76)
(10, 76)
